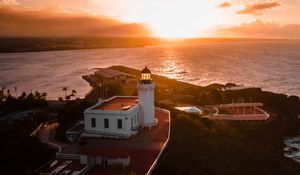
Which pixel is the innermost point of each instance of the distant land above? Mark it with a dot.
(36, 44)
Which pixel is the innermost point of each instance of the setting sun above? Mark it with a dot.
(175, 19)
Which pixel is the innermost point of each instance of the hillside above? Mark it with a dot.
(202, 146)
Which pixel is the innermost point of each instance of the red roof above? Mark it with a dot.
(118, 104)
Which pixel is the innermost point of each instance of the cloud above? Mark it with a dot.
(19, 22)
(8, 2)
(224, 5)
(259, 29)
(258, 8)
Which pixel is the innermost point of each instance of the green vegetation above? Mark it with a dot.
(202, 146)
(20, 153)
(70, 114)
(23, 102)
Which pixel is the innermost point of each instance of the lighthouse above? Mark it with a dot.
(146, 98)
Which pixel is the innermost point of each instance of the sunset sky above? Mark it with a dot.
(158, 18)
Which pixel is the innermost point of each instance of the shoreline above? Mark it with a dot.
(214, 139)
(44, 44)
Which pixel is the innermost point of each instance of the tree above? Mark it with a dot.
(68, 97)
(73, 91)
(44, 95)
(8, 92)
(60, 99)
(23, 96)
(73, 94)
(2, 89)
(16, 92)
(37, 95)
(65, 89)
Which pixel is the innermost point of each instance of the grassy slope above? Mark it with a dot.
(200, 146)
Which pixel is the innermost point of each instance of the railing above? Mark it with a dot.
(87, 168)
(45, 165)
(35, 132)
(236, 105)
(254, 116)
(55, 146)
(107, 134)
(46, 173)
(165, 144)
(68, 156)
(239, 117)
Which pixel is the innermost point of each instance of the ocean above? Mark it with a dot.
(271, 65)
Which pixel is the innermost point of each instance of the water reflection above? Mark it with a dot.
(172, 64)
(275, 68)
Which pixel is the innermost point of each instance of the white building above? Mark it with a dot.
(190, 109)
(121, 116)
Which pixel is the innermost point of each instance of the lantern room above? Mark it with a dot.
(146, 76)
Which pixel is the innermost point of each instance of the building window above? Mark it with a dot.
(119, 123)
(93, 122)
(106, 124)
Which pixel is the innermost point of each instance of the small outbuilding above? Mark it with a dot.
(190, 109)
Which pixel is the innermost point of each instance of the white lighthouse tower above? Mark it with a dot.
(146, 98)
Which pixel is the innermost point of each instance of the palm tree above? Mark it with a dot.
(44, 95)
(73, 91)
(16, 88)
(65, 89)
(37, 95)
(73, 94)
(68, 97)
(2, 92)
(23, 96)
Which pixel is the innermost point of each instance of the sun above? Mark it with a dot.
(173, 19)
(181, 19)
(174, 29)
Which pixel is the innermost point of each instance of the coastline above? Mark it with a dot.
(284, 111)
(228, 145)
(41, 44)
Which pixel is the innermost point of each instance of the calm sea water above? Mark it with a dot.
(274, 66)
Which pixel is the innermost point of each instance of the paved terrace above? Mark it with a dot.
(144, 148)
